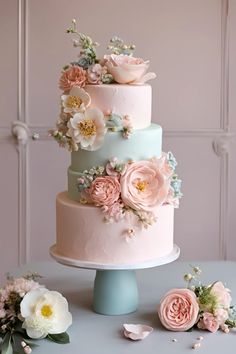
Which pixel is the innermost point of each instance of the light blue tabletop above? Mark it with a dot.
(91, 333)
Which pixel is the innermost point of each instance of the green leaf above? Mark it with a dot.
(6, 344)
(61, 338)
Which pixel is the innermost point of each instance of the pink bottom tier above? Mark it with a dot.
(82, 235)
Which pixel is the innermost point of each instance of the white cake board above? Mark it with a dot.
(172, 256)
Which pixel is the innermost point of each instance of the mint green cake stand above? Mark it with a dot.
(115, 286)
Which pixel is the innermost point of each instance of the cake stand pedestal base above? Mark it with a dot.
(115, 292)
(115, 286)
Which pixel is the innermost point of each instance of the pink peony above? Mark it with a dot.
(209, 322)
(143, 187)
(222, 295)
(126, 69)
(73, 76)
(178, 310)
(105, 190)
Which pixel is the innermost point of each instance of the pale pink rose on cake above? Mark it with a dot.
(209, 322)
(178, 310)
(127, 69)
(222, 295)
(143, 187)
(105, 190)
(73, 76)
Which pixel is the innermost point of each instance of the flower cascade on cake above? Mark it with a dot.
(30, 311)
(206, 307)
(133, 191)
(79, 126)
(129, 190)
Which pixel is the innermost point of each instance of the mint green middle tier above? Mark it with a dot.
(143, 144)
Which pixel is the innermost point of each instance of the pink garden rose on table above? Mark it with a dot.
(126, 69)
(105, 190)
(73, 76)
(143, 186)
(178, 310)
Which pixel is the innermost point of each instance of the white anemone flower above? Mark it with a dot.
(77, 100)
(87, 129)
(44, 312)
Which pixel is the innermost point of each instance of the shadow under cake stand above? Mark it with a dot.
(115, 287)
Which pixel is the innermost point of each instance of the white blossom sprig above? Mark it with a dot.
(88, 55)
(117, 46)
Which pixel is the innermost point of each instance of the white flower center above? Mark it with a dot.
(87, 128)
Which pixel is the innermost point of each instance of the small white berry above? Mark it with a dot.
(196, 345)
(174, 340)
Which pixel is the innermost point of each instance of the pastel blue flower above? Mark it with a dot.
(171, 160)
(176, 185)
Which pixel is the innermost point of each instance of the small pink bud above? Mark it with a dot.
(108, 112)
(27, 349)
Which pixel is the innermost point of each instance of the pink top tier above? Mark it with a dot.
(132, 100)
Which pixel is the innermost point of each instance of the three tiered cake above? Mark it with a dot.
(122, 189)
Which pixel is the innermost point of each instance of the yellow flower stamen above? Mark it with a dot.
(73, 102)
(46, 311)
(87, 128)
(141, 185)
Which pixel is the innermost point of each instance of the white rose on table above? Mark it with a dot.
(45, 312)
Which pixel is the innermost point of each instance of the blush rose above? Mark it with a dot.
(105, 190)
(143, 186)
(124, 68)
(178, 310)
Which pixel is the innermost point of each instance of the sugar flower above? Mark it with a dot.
(209, 322)
(72, 76)
(87, 129)
(95, 73)
(143, 186)
(126, 69)
(136, 331)
(222, 295)
(113, 212)
(105, 190)
(76, 101)
(213, 310)
(44, 312)
(178, 310)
